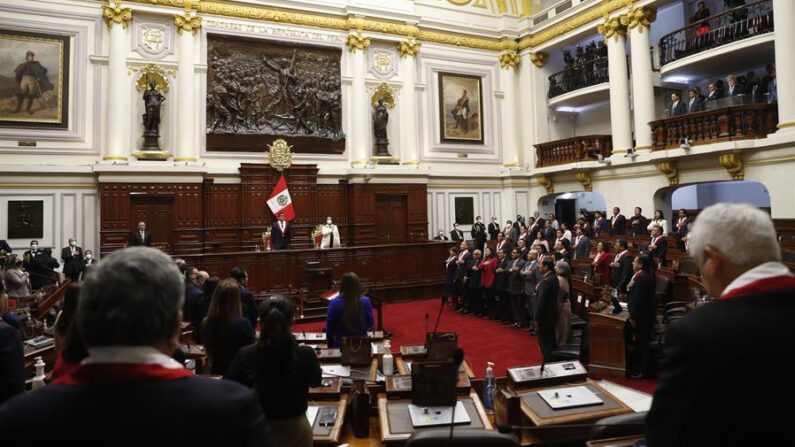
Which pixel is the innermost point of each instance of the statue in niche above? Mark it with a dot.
(152, 101)
(380, 120)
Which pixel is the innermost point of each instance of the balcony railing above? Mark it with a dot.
(717, 30)
(578, 76)
(743, 122)
(572, 150)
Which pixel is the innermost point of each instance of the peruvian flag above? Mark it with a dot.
(280, 200)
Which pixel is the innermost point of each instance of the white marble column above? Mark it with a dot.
(533, 104)
(410, 152)
(638, 22)
(357, 131)
(783, 18)
(510, 133)
(187, 150)
(117, 100)
(615, 36)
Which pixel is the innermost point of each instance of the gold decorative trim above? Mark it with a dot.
(639, 18)
(640, 148)
(407, 163)
(357, 42)
(390, 160)
(621, 176)
(546, 181)
(409, 47)
(152, 73)
(185, 159)
(152, 155)
(114, 157)
(509, 59)
(383, 92)
(539, 58)
(116, 14)
(512, 165)
(584, 177)
(733, 163)
(359, 161)
(785, 124)
(187, 23)
(612, 28)
(669, 168)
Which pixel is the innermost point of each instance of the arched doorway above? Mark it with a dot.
(568, 205)
(697, 196)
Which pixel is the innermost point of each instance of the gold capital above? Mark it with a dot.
(187, 23)
(733, 163)
(612, 28)
(546, 181)
(408, 47)
(584, 177)
(357, 42)
(639, 17)
(539, 59)
(509, 59)
(670, 170)
(116, 14)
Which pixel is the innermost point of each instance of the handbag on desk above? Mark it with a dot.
(356, 351)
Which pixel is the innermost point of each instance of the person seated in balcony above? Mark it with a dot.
(695, 103)
(732, 87)
(714, 93)
(677, 106)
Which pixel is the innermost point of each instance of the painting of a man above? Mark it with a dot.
(461, 113)
(31, 78)
(461, 108)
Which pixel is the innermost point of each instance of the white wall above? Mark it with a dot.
(591, 201)
(441, 207)
(593, 120)
(703, 195)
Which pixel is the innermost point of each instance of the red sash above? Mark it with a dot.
(109, 373)
(773, 284)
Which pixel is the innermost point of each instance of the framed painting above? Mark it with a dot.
(25, 219)
(34, 80)
(465, 210)
(460, 108)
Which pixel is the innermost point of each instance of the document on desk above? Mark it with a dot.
(311, 414)
(570, 397)
(336, 370)
(431, 416)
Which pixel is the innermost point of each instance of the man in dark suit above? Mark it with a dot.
(582, 245)
(727, 355)
(456, 234)
(464, 262)
(641, 304)
(618, 222)
(732, 87)
(240, 275)
(281, 231)
(494, 229)
(141, 237)
(12, 363)
(27, 257)
(658, 245)
(473, 297)
(72, 257)
(694, 103)
(546, 315)
(501, 310)
(503, 243)
(714, 93)
(677, 106)
(193, 295)
(479, 234)
(621, 266)
(441, 236)
(129, 387)
(639, 223)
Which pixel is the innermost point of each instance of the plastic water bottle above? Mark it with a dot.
(488, 394)
(38, 379)
(387, 361)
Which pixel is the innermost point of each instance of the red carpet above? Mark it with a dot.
(481, 339)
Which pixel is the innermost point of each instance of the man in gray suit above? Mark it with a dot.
(582, 245)
(677, 106)
(695, 103)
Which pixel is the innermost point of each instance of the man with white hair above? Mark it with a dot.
(129, 389)
(723, 378)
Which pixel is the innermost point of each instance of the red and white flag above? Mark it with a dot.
(280, 200)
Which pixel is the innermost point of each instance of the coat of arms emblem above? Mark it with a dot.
(279, 155)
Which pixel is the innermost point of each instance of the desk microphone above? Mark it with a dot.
(426, 329)
(458, 358)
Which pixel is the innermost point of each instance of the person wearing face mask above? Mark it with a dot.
(331, 235)
(27, 257)
(88, 261)
(72, 257)
(441, 236)
(456, 234)
(479, 233)
(494, 229)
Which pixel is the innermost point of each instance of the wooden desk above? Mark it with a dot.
(607, 346)
(395, 422)
(330, 435)
(627, 441)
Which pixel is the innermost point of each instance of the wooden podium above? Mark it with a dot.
(608, 350)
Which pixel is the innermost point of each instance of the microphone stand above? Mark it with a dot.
(458, 358)
(429, 340)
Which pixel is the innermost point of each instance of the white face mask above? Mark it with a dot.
(88, 256)
(34, 247)
(328, 221)
(73, 243)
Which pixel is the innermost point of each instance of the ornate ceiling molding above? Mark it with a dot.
(116, 14)
(539, 58)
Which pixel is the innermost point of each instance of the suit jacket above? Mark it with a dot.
(461, 270)
(249, 309)
(583, 249)
(619, 227)
(494, 229)
(678, 109)
(72, 265)
(457, 235)
(681, 229)
(281, 241)
(479, 232)
(506, 245)
(623, 273)
(137, 241)
(737, 90)
(500, 283)
(642, 302)
(546, 314)
(473, 276)
(12, 374)
(27, 258)
(4, 246)
(193, 410)
(515, 279)
(639, 228)
(714, 96)
(695, 105)
(191, 309)
(662, 247)
(711, 367)
(441, 237)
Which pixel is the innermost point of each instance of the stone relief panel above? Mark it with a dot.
(153, 40)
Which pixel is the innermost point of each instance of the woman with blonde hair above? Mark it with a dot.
(224, 330)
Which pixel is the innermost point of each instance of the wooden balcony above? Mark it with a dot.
(572, 150)
(742, 122)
